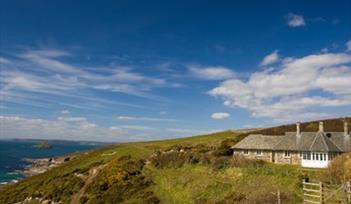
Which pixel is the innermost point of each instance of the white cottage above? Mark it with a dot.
(308, 149)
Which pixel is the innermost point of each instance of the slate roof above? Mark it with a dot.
(264, 142)
(307, 141)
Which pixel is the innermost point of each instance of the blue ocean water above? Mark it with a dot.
(12, 153)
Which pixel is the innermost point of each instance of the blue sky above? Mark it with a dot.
(142, 70)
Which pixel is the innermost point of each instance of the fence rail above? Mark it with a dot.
(319, 193)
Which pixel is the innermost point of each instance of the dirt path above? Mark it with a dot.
(92, 173)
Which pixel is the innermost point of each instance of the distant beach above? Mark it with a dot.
(18, 156)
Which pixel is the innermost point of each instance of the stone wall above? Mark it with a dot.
(280, 158)
(252, 154)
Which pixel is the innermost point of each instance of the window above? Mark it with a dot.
(246, 152)
(287, 153)
(258, 152)
(317, 156)
(308, 155)
(313, 156)
(332, 155)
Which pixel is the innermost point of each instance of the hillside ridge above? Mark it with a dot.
(147, 172)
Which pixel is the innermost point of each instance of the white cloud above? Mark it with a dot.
(324, 50)
(211, 73)
(48, 59)
(289, 91)
(220, 116)
(4, 61)
(294, 20)
(136, 127)
(34, 73)
(348, 46)
(270, 59)
(127, 76)
(65, 112)
(183, 131)
(72, 119)
(78, 128)
(131, 118)
(51, 60)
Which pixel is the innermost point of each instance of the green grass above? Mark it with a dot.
(190, 183)
(46, 183)
(186, 184)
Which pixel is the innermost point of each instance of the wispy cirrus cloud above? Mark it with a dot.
(183, 131)
(50, 59)
(67, 127)
(149, 119)
(4, 60)
(50, 72)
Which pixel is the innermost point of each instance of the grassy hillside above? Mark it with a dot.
(330, 125)
(61, 183)
(197, 169)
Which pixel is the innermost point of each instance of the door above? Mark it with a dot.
(273, 157)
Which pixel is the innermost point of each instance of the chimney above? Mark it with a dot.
(346, 128)
(298, 134)
(298, 131)
(321, 127)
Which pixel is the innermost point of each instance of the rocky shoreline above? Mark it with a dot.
(38, 166)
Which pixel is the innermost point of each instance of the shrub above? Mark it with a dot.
(225, 147)
(201, 148)
(220, 162)
(235, 197)
(257, 197)
(175, 159)
(241, 161)
(120, 180)
(339, 170)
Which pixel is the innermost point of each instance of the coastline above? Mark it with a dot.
(20, 159)
(37, 166)
(41, 165)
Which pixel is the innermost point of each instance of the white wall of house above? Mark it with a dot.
(316, 159)
(314, 164)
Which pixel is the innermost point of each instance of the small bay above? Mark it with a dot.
(13, 153)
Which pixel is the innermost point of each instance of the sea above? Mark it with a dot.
(13, 153)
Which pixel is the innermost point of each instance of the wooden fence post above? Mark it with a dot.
(348, 190)
(278, 197)
(321, 193)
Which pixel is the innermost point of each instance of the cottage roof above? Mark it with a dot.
(309, 141)
(306, 141)
(258, 141)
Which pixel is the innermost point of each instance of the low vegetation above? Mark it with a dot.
(198, 169)
(121, 180)
(339, 171)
